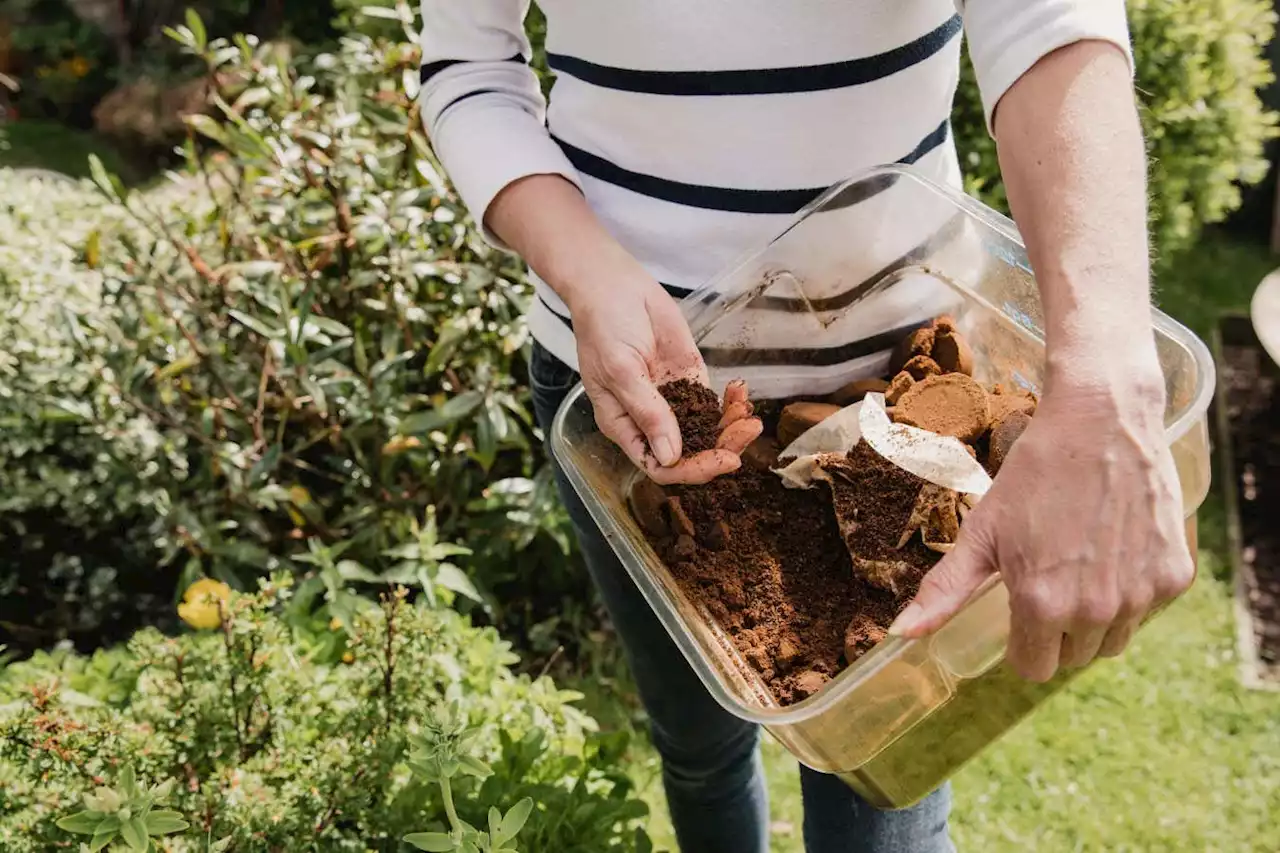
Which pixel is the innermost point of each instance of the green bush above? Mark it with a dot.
(82, 477)
(282, 734)
(1200, 64)
(322, 335)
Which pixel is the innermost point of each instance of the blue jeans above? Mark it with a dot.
(711, 766)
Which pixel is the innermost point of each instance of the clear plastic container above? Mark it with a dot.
(890, 244)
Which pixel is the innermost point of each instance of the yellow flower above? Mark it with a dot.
(399, 444)
(348, 658)
(335, 624)
(200, 603)
(79, 66)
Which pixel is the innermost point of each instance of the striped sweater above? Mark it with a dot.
(697, 128)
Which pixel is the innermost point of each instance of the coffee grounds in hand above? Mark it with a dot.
(697, 410)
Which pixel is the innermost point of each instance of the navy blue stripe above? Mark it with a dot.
(719, 198)
(800, 357)
(431, 69)
(762, 81)
(465, 96)
(791, 356)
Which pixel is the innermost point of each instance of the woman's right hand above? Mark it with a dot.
(630, 332)
(632, 338)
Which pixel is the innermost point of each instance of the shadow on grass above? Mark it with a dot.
(37, 144)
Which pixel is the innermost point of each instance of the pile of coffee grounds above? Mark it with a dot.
(873, 500)
(697, 410)
(768, 564)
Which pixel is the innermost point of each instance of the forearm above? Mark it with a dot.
(548, 222)
(1075, 170)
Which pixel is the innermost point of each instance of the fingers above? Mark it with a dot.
(947, 587)
(619, 428)
(1118, 637)
(697, 470)
(735, 412)
(1037, 632)
(735, 392)
(1080, 648)
(739, 434)
(630, 385)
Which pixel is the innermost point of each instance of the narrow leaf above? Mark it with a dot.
(100, 177)
(267, 331)
(81, 823)
(436, 842)
(165, 822)
(197, 28)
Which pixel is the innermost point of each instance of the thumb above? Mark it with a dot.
(947, 587)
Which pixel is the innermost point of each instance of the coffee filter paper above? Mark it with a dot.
(941, 460)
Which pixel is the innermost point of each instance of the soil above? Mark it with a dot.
(769, 565)
(698, 412)
(1252, 397)
(803, 581)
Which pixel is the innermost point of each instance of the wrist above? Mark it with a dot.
(612, 277)
(1112, 377)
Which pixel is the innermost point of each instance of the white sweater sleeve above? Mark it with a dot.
(1007, 37)
(483, 110)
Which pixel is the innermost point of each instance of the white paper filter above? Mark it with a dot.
(942, 460)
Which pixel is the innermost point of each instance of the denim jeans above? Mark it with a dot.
(711, 766)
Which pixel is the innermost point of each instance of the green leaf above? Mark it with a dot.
(436, 842)
(165, 823)
(350, 570)
(389, 14)
(514, 821)
(444, 347)
(454, 409)
(206, 126)
(386, 365)
(81, 823)
(177, 366)
(161, 792)
(251, 97)
(128, 782)
(134, 833)
(265, 465)
(108, 183)
(197, 29)
(451, 577)
(495, 820)
(329, 326)
(474, 767)
(264, 329)
(221, 845)
(101, 839)
(318, 398)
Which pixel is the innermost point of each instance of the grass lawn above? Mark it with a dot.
(1161, 750)
(48, 145)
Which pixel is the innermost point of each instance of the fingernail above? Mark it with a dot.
(906, 620)
(665, 451)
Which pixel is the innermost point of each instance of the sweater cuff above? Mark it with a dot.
(486, 143)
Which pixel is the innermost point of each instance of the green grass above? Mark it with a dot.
(35, 144)
(1161, 750)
